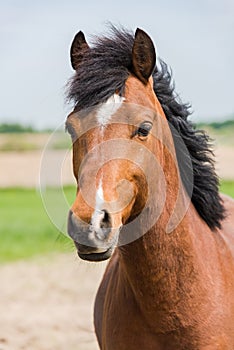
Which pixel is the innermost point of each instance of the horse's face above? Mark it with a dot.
(109, 145)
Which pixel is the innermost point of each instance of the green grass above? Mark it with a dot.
(25, 229)
(227, 187)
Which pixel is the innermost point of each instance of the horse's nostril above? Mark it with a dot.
(106, 220)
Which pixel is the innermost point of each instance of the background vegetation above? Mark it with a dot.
(15, 128)
(25, 229)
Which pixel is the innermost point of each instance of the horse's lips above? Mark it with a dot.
(87, 250)
(93, 253)
(96, 256)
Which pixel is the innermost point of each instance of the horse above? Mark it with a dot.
(147, 199)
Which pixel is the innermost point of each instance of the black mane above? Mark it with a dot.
(105, 69)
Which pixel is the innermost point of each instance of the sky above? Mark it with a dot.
(196, 38)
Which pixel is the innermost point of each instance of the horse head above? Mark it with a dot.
(110, 158)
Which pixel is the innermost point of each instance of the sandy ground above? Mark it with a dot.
(225, 162)
(26, 168)
(47, 304)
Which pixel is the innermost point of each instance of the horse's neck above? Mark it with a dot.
(165, 274)
(159, 257)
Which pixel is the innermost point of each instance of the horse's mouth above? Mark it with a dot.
(96, 256)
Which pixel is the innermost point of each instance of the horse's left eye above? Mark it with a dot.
(144, 129)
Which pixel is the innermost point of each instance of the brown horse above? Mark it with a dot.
(146, 186)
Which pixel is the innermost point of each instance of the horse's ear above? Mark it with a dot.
(78, 46)
(143, 56)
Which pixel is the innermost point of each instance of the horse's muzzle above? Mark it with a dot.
(92, 243)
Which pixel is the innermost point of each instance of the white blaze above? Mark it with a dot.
(99, 197)
(108, 109)
(98, 213)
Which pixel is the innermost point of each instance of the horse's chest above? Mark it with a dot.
(126, 329)
(124, 326)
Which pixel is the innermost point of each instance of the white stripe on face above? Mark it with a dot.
(98, 213)
(108, 109)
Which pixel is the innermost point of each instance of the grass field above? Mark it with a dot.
(228, 188)
(25, 229)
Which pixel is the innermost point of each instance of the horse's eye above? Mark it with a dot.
(144, 129)
(71, 131)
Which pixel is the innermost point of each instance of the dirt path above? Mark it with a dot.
(47, 304)
(23, 169)
(225, 162)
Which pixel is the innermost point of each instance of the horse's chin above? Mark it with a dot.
(95, 257)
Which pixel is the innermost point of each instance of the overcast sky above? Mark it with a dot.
(196, 38)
